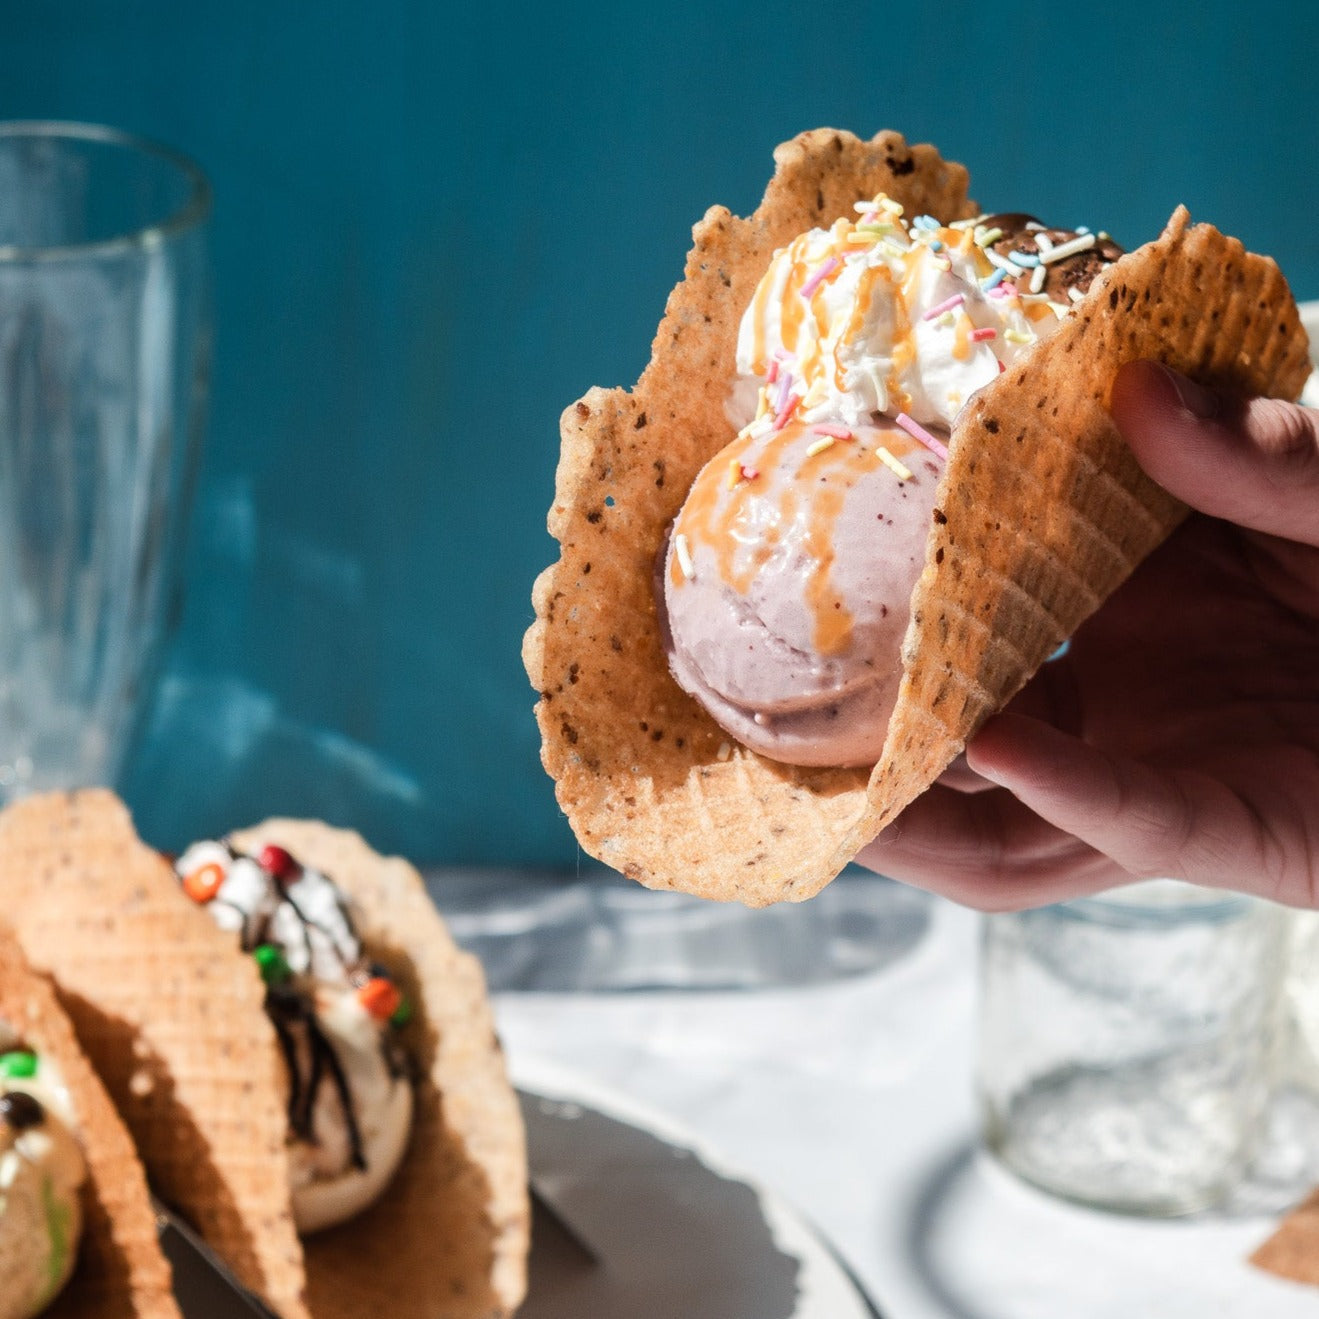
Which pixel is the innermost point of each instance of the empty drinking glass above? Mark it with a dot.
(104, 358)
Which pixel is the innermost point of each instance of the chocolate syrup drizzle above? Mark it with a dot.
(293, 1014)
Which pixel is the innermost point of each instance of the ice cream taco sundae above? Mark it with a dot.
(306, 1060)
(77, 1232)
(872, 461)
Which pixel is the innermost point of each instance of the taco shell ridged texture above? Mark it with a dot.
(1041, 513)
(121, 1272)
(171, 1018)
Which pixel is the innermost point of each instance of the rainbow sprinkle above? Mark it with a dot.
(946, 305)
(684, 556)
(820, 445)
(826, 269)
(786, 411)
(982, 335)
(1081, 243)
(894, 466)
(834, 429)
(993, 281)
(918, 432)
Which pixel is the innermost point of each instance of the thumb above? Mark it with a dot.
(1253, 461)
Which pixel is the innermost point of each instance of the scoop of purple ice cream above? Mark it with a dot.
(787, 582)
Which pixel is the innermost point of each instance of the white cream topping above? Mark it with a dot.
(839, 322)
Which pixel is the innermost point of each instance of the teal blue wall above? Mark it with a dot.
(436, 226)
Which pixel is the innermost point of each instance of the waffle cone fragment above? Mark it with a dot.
(449, 1238)
(1293, 1249)
(173, 1015)
(1041, 512)
(121, 1272)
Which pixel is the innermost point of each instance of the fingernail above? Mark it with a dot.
(1195, 398)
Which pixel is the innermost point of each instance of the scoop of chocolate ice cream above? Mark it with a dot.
(1023, 233)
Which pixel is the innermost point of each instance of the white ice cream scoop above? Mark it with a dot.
(349, 1089)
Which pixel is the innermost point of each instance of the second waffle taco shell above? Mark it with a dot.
(121, 1272)
(172, 1015)
(1042, 511)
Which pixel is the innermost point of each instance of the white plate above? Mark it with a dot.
(674, 1230)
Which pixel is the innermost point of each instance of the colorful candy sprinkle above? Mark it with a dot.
(18, 1064)
(785, 412)
(202, 884)
(1081, 243)
(380, 997)
(401, 1014)
(272, 963)
(823, 272)
(279, 863)
(684, 556)
(902, 472)
(946, 305)
(918, 432)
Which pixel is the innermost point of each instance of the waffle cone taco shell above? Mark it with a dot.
(1041, 512)
(171, 1013)
(121, 1272)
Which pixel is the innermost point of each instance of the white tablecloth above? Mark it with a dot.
(855, 1101)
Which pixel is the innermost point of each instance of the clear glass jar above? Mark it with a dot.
(1125, 1043)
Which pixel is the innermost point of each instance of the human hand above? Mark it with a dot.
(1179, 734)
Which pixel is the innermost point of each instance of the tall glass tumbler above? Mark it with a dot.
(104, 363)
